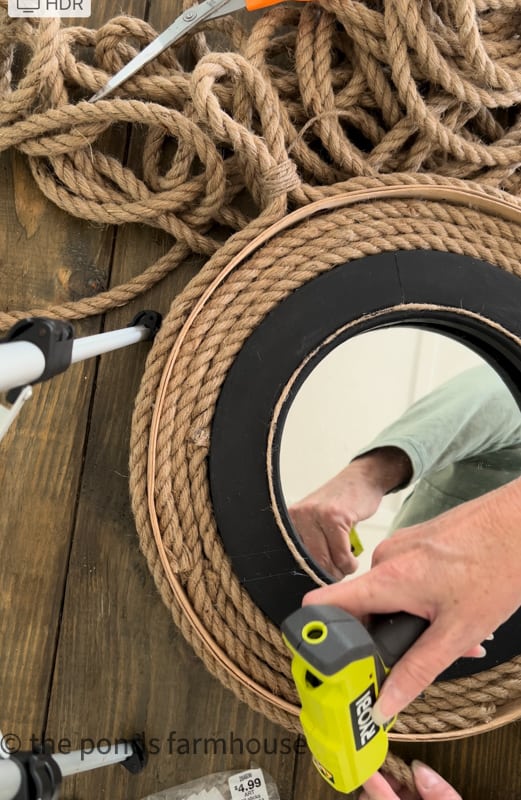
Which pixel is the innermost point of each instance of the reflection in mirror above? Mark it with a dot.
(392, 427)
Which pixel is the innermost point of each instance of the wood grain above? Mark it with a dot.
(90, 652)
(41, 459)
(120, 655)
(46, 256)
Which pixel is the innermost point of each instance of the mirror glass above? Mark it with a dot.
(436, 426)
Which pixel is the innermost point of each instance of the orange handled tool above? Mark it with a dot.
(209, 9)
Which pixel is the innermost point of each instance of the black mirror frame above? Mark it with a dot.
(469, 300)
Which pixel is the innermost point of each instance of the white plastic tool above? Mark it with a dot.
(36, 349)
(40, 775)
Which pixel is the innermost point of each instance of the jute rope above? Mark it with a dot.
(313, 102)
(171, 430)
(311, 97)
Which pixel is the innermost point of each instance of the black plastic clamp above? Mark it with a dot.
(53, 337)
(148, 319)
(138, 760)
(40, 775)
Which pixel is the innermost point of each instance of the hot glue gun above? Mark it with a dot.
(339, 666)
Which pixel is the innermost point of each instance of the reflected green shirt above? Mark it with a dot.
(463, 440)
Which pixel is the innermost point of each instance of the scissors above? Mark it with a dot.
(209, 9)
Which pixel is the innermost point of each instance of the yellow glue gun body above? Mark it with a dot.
(338, 671)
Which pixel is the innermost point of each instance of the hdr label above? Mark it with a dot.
(363, 726)
(49, 8)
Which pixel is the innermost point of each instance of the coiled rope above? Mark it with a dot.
(312, 102)
(311, 97)
(171, 433)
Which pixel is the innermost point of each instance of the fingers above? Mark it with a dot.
(361, 596)
(442, 643)
(326, 540)
(478, 651)
(430, 785)
(314, 540)
(433, 652)
(475, 652)
(417, 668)
(320, 551)
(339, 544)
(377, 788)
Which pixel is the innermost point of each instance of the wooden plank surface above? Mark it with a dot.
(90, 652)
(41, 460)
(119, 652)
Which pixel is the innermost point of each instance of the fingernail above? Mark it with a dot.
(379, 718)
(424, 776)
(390, 703)
(481, 652)
(489, 638)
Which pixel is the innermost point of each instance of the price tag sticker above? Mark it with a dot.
(248, 785)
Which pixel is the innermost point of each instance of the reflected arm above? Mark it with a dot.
(388, 467)
(469, 415)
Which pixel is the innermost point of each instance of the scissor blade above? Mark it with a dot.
(150, 52)
(186, 22)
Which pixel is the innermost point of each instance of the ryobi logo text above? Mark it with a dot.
(363, 726)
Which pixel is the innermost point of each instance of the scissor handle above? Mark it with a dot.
(255, 5)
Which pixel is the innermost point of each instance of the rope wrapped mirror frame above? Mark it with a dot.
(202, 338)
(425, 290)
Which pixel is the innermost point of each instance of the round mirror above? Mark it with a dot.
(411, 322)
(392, 427)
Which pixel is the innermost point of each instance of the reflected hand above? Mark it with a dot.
(460, 571)
(324, 518)
(429, 785)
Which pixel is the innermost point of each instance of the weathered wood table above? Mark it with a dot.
(88, 649)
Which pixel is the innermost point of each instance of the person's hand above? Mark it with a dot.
(460, 571)
(429, 785)
(324, 518)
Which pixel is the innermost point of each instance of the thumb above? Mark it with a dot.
(361, 596)
(417, 668)
(430, 785)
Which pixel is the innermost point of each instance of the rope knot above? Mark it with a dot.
(281, 179)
